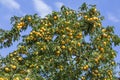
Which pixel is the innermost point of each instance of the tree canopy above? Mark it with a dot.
(64, 45)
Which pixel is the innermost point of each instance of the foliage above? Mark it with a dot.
(57, 49)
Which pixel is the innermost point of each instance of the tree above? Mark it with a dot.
(57, 49)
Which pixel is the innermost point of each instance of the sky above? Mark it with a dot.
(8, 8)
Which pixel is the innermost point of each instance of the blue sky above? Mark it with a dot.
(8, 8)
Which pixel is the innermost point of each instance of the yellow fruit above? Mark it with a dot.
(46, 24)
(85, 16)
(103, 30)
(63, 36)
(70, 34)
(73, 42)
(7, 69)
(27, 79)
(96, 71)
(85, 67)
(49, 24)
(90, 19)
(28, 70)
(31, 66)
(100, 56)
(17, 78)
(99, 25)
(2, 78)
(109, 37)
(113, 53)
(98, 39)
(11, 55)
(55, 17)
(13, 59)
(15, 53)
(80, 35)
(67, 22)
(102, 49)
(36, 53)
(77, 37)
(71, 37)
(13, 67)
(67, 29)
(20, 25)
(20, 59)
(29, 18)
(67, 12)
(51, 59)
(78, 44)
(61, 67)
(57, 53)
(69, 49)
(63, 47)
(96, 60)
(22, 72)
(21, 19)
(63, 42)
(37, 67)
(44, 47)
(94, 9)
(40, 35)
(105, 43)
(41, 49)
(99, 74)
(71, 12)
(112, 62)
(105, 79)
(82, 78)
(95, 18)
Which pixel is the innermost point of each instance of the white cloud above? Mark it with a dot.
(58, 4)
(113, 18)
(42, 8)
(12, 4)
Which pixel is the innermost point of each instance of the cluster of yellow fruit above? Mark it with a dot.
(94, 19)
(96, 73)
(7, 69)
(79, 35)
(69, 12)
(45, 34)
(83, 78)
(71, 48)
(2, 78)
(61, 67)
(86, 67)
(42, 33)
(20, 25)
(16, 78)
(110, 73)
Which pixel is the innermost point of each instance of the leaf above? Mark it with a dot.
(84, 7)
(42, 67)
